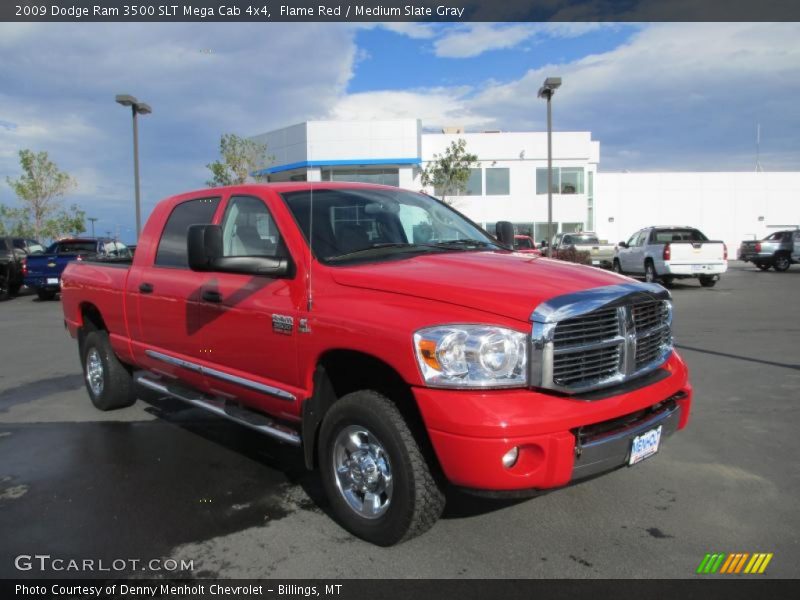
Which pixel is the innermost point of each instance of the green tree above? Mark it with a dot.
(40, 188)
(449, 172)
(14, 222)
(238, 158)
(71, 221)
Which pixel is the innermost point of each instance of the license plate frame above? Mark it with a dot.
(645, 445)
(52, 281)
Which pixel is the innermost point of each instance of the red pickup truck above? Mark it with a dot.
(403, 348)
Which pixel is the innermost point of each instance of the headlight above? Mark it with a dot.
(472, 356)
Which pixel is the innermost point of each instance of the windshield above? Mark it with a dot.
(75, 247)
(376, 224)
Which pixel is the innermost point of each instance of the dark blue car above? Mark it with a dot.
(43, 271)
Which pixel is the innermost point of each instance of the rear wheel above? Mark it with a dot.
(108, 381)
(782, 263)
(378, 482)
(708, 280)
(45, 295)
(650, 275)
(763, 266)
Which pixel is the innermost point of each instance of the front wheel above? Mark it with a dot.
(650, 272)
(617, 267)
(782, 263)
(378, 482)
(109, 383)
(45, 295)
(708, 281)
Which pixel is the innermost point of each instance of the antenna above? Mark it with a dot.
(759, 169)
(309, 297)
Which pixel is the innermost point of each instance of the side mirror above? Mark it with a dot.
(622, 245)
(505, 233)
(204, 245)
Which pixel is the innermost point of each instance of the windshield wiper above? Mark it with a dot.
(380, 246)
(462, 242)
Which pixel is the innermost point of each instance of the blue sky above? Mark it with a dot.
(665, 96)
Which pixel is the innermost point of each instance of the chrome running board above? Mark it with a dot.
(220, 407)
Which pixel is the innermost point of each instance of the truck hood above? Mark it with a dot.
(502, 283)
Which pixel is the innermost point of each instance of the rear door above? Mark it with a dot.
(168, 330)
(796, 246)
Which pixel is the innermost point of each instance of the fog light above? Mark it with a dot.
(510, 457)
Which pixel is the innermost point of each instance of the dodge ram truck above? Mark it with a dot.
(398, 345)
(668, 253)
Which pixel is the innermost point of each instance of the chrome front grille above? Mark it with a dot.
(600, 337)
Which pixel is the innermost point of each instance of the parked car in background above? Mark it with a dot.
(395, 356)
(668, 253)
(13, 256)
(526, 245)
(43, 271)
(778, 250)
(600, 255)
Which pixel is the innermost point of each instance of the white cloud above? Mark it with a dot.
(477, 38)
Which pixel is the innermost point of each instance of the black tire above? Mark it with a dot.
(668, 282)
(650, 274)
(14, 289)
(782, 263)
(45, 295)
(5, 284)
(114, 387)
(708, 281)
(763, 266)
(416, 500)
(617, 267)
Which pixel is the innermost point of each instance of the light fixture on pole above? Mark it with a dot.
(137, 108)
(550, 85)
(92, 220)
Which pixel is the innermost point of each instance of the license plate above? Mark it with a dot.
(645, 445)
(595, 262)
(52, 281)
(698, 267)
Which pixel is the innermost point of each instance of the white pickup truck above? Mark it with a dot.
(668, 253)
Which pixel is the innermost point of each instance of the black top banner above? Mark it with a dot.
(398, 10)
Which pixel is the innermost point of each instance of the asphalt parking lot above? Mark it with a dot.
(161, 479)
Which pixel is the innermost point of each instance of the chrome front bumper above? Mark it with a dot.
(608, 451)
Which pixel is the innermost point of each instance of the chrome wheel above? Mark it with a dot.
(362, 472)
(94, 372)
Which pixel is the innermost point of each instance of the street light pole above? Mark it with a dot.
(136, 109)
(546, 91)
(92, 220)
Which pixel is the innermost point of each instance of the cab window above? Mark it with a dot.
(248, 229)
(172, 246)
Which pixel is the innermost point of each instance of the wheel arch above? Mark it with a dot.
(341, 371)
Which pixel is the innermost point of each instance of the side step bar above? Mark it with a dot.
(220, 407)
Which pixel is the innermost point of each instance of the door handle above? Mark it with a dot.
(211, 296)
(146, 288)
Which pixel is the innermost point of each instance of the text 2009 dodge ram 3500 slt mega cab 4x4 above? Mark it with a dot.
(406, 348)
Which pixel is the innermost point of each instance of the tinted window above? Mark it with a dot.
(661, 236)
(172, 247)
(248, 229)
(497, 182)
(73, 247)
(523, 244)
(584, 239)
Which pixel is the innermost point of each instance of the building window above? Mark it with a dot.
(590, 201)
(474, 184)
(497, 182)
(541, 234)
(380, 176)
(566, 180)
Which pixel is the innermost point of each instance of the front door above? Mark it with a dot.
(628, 257)
(250, 322)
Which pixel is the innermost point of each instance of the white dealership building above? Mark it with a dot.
(509, 183)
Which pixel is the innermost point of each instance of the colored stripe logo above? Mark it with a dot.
(735, 563)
